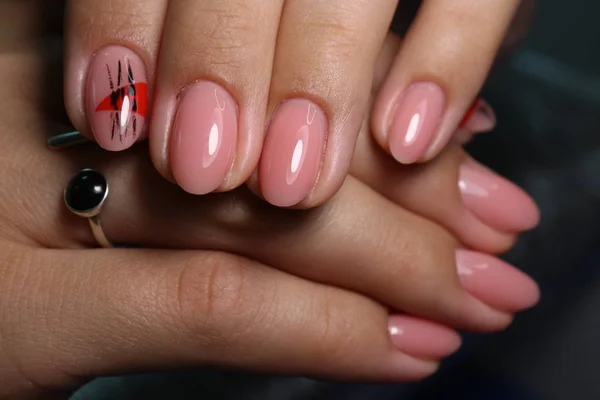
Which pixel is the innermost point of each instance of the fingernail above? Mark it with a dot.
(496, 201)
(422, 339)
(495, 282)
(292, 152)
(417, 119)
(479, 118)
(204, 137)
(116, 97)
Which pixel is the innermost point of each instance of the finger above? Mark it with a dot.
(209, 116)
(109, 69)
(322, 74)
(323, 245)
(483, 210)
(443, 62)
(93, 313)
(480, 118)
(484, 213)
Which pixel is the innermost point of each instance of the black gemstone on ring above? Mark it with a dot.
(86, 191)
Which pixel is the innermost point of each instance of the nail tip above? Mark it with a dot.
(403, 158)
(196, 190)
(499, 285)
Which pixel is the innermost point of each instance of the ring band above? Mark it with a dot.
(87, 191)
(85, 195)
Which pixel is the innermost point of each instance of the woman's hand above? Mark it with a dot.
(280, 88)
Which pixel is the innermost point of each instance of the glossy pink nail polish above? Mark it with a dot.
(417, 118)
(495, 282)
(422, 339)
(204, 137)
(479, 118)
(292, 152)
(496, 201)
(116, 97)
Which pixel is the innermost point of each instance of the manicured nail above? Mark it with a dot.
(495, 282)
(496, 201)
(423, 339)
(417, 119)
(204, 137)
(116, 97)
(292, 152)
(479, 118)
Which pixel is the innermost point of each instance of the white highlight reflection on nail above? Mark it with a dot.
(395, 331)
(470, 270)
(124, 114)
(469, 186)
(297, 156)
(413, 128)
(213, 139)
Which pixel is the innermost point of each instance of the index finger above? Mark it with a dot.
(109, 69)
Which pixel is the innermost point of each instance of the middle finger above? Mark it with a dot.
(211, 91)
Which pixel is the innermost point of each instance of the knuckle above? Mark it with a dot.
(228, 30)
(336, 335)
(419, 250)
(214, 299)
(337, 28)
(114, 22)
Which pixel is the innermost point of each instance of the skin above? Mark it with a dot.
(265, 53)
(235, 289)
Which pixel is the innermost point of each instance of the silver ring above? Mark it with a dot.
(85, 196)
(87, 191)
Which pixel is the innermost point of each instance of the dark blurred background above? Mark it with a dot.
(547, 98)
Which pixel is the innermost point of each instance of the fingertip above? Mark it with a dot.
(421, 338)
(496, 283)
(496, 201)
(406, 369)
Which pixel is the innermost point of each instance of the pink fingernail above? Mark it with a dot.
(422, 339)
(204, 137)
(480, 117)
(116, 97)
(496, 201)
(495, 282)
(417, 119)
(292, 152)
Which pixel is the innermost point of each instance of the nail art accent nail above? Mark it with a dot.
(496, 283)
(496, 201)
(204, 137)
(292, 152)
(117, 97)
(417, 119)
(423, 339)
(479, 118)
